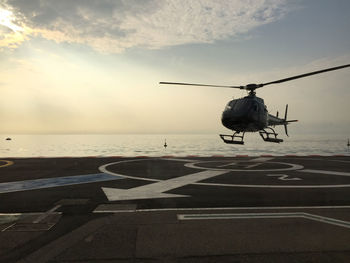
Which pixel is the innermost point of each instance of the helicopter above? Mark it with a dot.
(249, 114)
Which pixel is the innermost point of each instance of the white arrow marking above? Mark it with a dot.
(156, 190)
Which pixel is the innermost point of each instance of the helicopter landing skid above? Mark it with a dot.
(265, 135)
(225, 137)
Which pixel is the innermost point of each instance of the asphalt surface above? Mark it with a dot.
(190, 209)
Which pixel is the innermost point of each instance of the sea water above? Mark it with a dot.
(177, 145)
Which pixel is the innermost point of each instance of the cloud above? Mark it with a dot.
(12, 34)
(113, 26)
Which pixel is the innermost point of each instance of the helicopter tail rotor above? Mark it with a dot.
(285, 128)
(286, 122)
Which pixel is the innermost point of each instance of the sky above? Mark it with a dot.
(88, 66)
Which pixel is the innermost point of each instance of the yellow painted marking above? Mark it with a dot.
(7, 163)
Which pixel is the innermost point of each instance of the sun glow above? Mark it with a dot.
(7, 18)
(12, 33)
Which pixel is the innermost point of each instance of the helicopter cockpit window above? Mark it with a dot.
(230, 105)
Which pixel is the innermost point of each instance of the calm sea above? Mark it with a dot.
(153, 145)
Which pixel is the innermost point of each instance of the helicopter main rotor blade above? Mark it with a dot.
(303, 75)
(202, 85)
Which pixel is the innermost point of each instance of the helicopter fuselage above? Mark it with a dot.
(248, 114)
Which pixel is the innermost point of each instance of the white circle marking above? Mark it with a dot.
(291, 168)
(103, 169)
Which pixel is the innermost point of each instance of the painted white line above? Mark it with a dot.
(178, 159)
(258, 161)
(276, 186)
(46, 214)
(340, 161)
(324, 172)
(328, 220)
(5, 229)
(156, 190)
(10, 214)
(228, 164)
(322, 219)
(220, 208)
(237, 216)
(103, 169)
(98, 211)
(290, 167)
(8, 218)
(261, 159)
(285, 177)
(253, 165)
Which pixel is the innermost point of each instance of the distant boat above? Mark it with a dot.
(165, 145)
(8, 139)
(348, 143)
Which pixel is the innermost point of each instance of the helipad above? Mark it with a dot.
(266, 208)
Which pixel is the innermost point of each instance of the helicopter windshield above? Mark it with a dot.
(230, 105)
(243, 104)
(238, 104)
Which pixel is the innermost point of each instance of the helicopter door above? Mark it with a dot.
(255, 107)
(263, 115)
(255, 111)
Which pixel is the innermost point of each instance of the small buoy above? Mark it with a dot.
(165, 145)
(348, 143)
